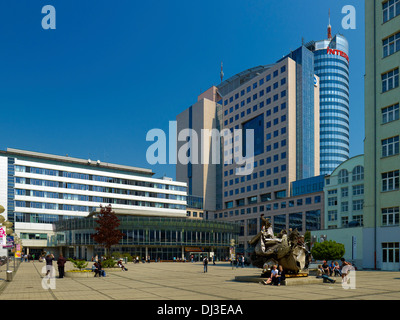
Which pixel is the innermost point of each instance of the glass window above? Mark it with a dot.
(390, 146)
(332, 215)
(257, 125)
(390, 180)
(391, 44)
(390, 9)
(358, 173)
(358, 190)
(390, 216)
(390, 113)
(390, 80)
(343, 176)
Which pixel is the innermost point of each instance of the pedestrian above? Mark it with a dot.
(343, 271)
(205, 263)
(243, 261)
(61, 266)
(49, 264)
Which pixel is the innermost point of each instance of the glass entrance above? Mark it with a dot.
(198, 256)
(390, 256)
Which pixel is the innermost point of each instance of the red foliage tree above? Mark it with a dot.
(107, 233)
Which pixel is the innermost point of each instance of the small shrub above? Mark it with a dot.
(79, 264)
(109, 263)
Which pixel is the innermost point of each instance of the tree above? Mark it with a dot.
(328, 250)
(107, 233)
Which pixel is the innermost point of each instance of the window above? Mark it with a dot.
(390, 9)
(390, 180)
(390, 252)
(358, 173)
(390, 113)
(332, 215)
(359, 219)
(358, 205)
(343, 176)
(390, 80)
(390, 146)
(257, 125)
(332, 201)
(345, 192)
(391, 44)
(358, 190)
(390, 216)
(344, 207)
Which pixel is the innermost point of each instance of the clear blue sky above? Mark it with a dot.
(113, 70)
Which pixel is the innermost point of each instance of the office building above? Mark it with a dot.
(382, 130)
(344, 195)
(343, 213)
(280, 103)
(50, 200)
(331, 65)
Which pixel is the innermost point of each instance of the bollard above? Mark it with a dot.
(9, 275)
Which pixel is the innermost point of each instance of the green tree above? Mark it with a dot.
(106, 232)
(328, 250)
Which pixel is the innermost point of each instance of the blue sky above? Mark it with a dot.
(113, 70)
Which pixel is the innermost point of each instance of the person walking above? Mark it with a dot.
(205, 263)
(61, 261)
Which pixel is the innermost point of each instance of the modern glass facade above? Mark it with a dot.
(305, 150)
(158, 237)
(331, 65)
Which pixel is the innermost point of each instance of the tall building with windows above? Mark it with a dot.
(382, 130)
(331, 65)
(280, 104)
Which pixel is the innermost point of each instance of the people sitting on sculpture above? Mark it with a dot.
(286, 248)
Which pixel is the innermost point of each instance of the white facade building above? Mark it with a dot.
(39, 189)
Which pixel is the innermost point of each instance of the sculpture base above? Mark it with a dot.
(292, 281)
(267, 274)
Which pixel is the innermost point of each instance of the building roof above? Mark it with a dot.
(86, 162)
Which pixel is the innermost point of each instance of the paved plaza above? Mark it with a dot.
(187, 281)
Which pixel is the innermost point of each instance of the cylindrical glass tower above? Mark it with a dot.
(331, 63)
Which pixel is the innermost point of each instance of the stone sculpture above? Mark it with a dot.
(285, 249)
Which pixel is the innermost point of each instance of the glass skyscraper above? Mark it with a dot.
(331, 65)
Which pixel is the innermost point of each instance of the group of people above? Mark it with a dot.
(61, 261)
(239, 261)
(326, 270)
(277, 276)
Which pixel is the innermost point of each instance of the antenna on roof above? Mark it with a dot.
(222, 72)
(329, 26)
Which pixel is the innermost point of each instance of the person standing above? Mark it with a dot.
(205, 263)
(49, 264)
(61, 261)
